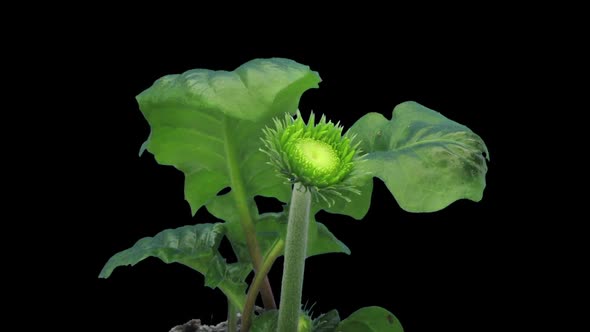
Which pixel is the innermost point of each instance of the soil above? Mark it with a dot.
(194, 325)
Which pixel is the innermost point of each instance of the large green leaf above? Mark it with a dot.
(370, 319)
(208, 123)
(194, 246)
(426, 160)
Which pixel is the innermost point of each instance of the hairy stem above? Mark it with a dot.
(232, 317)
(241, 201)
(259, 278)
(295, 252)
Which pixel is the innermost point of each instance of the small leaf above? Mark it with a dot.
(266, 322)
(319, 240)
(358, 205)
(144, 145)
(194, 246)
(426, 160)
(326, 322)
(322, 241)
(269, 227)
(370, 319)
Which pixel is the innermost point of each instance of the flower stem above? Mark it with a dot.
(295, 252)
(232, 317)
(259, 277)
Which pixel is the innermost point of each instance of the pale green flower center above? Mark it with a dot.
(318, 155)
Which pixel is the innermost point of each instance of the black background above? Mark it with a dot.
(449, 270)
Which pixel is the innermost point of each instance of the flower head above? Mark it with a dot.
(316, 155)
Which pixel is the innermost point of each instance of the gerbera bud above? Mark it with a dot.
(316, 155)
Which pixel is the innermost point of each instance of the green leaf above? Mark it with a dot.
(322, 241)
(356, 208)
(266, 322)
(208, 123)
(326, 322)
(426, 160)
(269, 227)
(370, 319)
(319, 239)
(194, 246)
(224, 208)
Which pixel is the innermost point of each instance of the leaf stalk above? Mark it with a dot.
(260, 276)
(246, 217)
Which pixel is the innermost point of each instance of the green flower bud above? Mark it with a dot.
(316, 155)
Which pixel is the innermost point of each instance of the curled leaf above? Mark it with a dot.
(426, 160)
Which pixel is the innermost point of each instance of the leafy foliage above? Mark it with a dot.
(426, 160)
(208, 124)
(327, 322)
(194, 246)
(370, 319)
